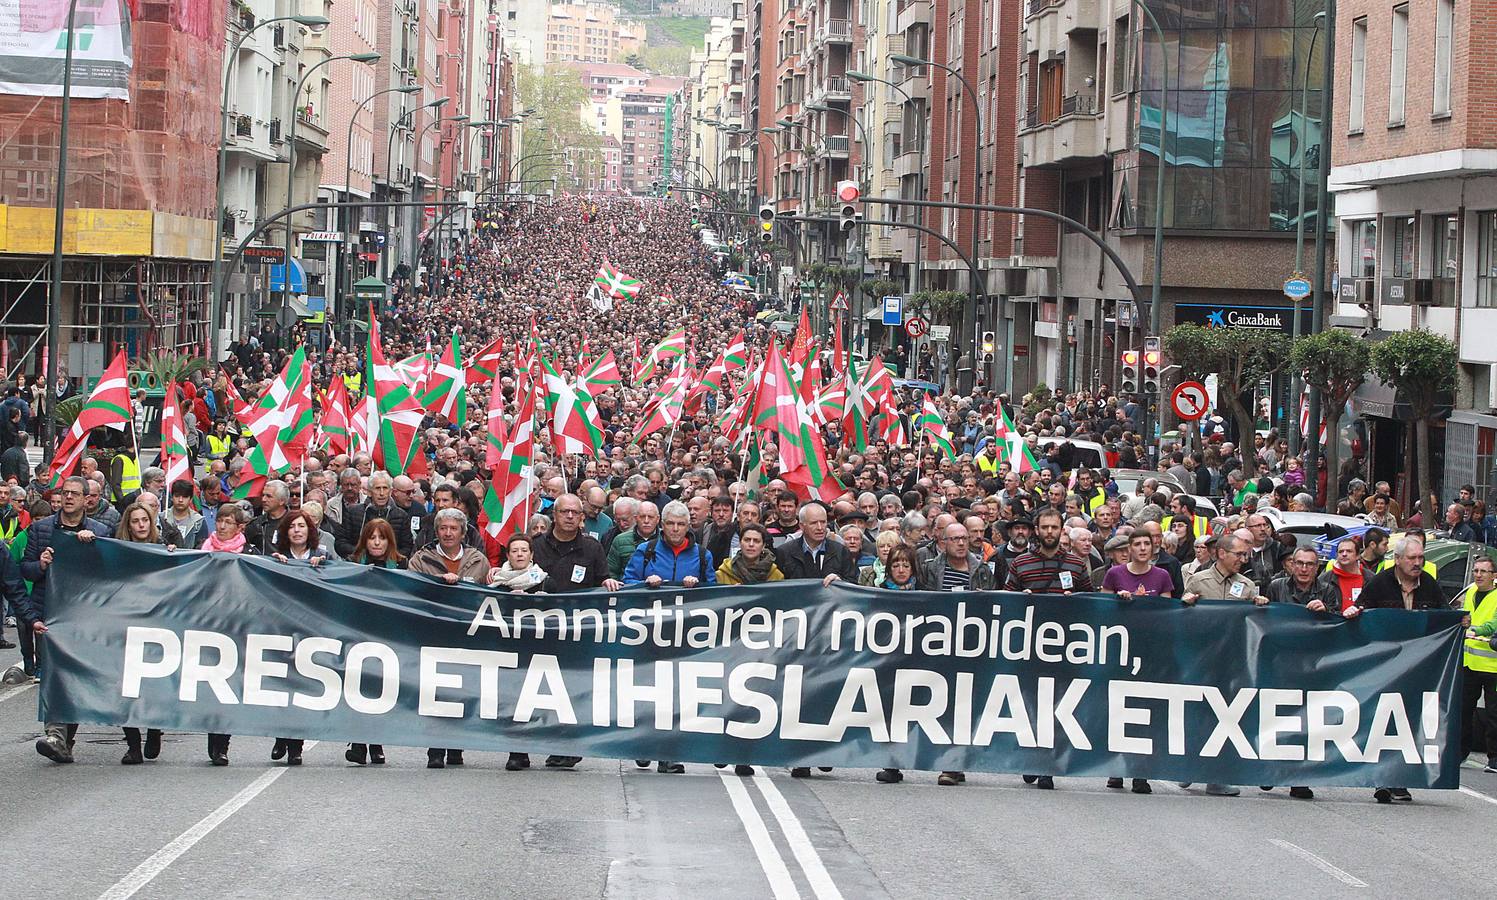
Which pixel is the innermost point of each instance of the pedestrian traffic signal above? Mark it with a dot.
(848, 195)
(989, 345)
(1153, 364)
(1128, 382)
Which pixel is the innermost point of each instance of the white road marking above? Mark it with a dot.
(17, 692)
(769, 856)
(1340, 875)
(800, 844)
(1478, 795)
(157, 863)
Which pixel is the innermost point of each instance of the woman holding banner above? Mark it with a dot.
(376, 547)
(227, 537)
(138, 526)
(753, 564)
(899, 575)
(296, 540)
(518, 575)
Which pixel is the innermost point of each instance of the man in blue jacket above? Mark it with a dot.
(671, 557)
(57, 744)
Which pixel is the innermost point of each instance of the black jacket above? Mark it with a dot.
(793, 560)
(346, 537)
(576, 565)
(13, 462)
(1382, 591)
(1282, 590)
(41, 535)
(13, 589)
(260, 533)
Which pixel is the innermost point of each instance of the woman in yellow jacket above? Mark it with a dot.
(753, 564)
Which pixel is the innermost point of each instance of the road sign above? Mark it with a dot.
(1189, 400)
(1297, 287)
(916, 327)
(839, 301)
(940, 333)
(894, 310)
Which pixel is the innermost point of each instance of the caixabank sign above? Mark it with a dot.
(1219, 315)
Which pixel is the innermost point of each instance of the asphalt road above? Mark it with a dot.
(177, 827)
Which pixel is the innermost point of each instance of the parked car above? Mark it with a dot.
(1309, 527)
(1090, 454)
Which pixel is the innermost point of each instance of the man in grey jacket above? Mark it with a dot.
(956, 568)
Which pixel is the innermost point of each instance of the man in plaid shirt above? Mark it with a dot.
(1045, 568)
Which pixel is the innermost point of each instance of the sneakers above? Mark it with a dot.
(742, 770)
(54, 749)
(1383, 795)
(516, 762)
(436, 759)
(567, 762)
(670, 768)
(800, 772)
(1491, 768)
(132, 757)
(1045, 782)
(6, 645)
(1402, 795)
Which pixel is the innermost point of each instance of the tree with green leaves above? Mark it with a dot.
(1239, 358)
(558, 96)
(1421, 366)
(1334, 362)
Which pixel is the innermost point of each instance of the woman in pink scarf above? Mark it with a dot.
(227, 537)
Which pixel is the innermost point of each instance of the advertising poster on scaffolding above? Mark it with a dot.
(33, 46)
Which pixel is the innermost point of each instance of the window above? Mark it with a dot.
(1356, 98)
(1401, 248)
(1121, 43)
(1364, 245)
(1398, 57)
(1445, 260)
(1444, 25)
(1486, 254)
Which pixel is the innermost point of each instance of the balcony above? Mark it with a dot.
(275, 131)
(244, 126)
(834, 31)
(1047, 24)
(834, 146)
(1075, 135)
(240, 16)
(834, 88)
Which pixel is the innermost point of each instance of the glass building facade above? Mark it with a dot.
(1237, 87)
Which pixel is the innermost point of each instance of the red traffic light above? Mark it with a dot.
(848, 192)
(1130, 357)
(1151, 357)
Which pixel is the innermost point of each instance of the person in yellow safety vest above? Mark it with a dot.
(1184, 506)
(354, 381)
(987, 460)
(124, 475)
(1480, 673)
(220, 444)
(1091, 494)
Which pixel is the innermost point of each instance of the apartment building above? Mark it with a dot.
(590, 32)
(1242, 115)
(1414, 176)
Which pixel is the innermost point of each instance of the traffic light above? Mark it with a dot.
(988, 345)
(848, 196)
(1153, 364)
(1128, 383)
(766, 224)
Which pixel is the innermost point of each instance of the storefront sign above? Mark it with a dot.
(1217, 315)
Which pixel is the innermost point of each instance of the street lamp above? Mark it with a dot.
(1299, 220)
(215, 306)
(291, 161)
(968, 316)
(348, 216)
(1164, 112)
(920, 187)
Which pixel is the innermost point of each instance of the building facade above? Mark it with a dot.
(590, 32)
(1414, 176)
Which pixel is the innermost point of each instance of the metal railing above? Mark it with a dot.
(275, 131)
(835, 29)
(244, 126)
(1078, 105)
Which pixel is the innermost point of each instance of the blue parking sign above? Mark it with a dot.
(893, 310)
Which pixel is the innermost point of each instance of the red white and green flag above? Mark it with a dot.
(672, 346)
(107, 404)
(237, 407)
(1012, 444)
(414, 370)
(803, 462)
(574, 420)
(495, 431)
(395, 427)
(735, 355)
(601, 374)
(506, 504)
(666, 408)
(485, 366)
(867, 396)
(934, 428)
(333, 432)
(281, 422)
(615, 283)
(447, 386)
(174, 456)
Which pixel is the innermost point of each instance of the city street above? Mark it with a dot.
(178, 828)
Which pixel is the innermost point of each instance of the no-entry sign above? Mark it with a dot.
(1189, 400)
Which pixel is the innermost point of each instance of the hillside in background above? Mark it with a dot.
(669, 40)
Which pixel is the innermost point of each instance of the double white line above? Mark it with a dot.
(770, 858)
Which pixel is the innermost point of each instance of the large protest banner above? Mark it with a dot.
(781, 674)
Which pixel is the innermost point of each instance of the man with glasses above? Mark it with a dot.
(573, 561)
(1302, 585)
(1480, 673)
(57, 743)
(1223, 580)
